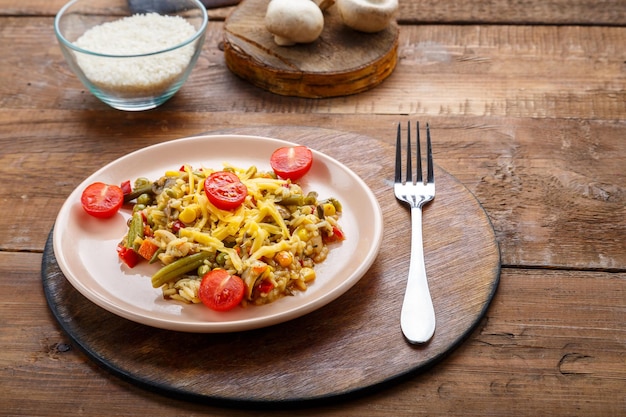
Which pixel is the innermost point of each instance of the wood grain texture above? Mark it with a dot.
(51, 8)
(551, 341)
(339, 63)
(552, 188)
(527, 101)
(570, 12)
(465, 71)
(358, 334)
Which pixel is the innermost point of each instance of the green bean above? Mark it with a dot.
(293, 200)
(179, 267)
(155, 257)
(320, 211)
(311, 198)
(135, 230)
(336, 203)
(144, 189)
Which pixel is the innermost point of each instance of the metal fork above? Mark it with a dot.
(417, 318)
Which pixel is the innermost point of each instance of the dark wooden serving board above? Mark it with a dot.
(340, 62)
(349, 347)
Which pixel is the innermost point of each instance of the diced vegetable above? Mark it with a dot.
(178, 268)
(147, 249)
(127, 255)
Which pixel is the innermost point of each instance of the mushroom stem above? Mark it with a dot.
(324, 4)
(282, 41)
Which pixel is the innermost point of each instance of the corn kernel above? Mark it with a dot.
(303, 234)
(188, 215)
(300, 285)
(329, 209)
(284, 258)
(308, 274)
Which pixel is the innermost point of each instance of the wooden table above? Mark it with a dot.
(527, 103)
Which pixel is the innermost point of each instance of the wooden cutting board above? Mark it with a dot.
(341, 62)
(351, 346)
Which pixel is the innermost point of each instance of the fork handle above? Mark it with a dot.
(417, 318)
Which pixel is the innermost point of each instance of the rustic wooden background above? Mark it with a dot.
(527, 101)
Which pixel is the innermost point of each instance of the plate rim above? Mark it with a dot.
(377, 226)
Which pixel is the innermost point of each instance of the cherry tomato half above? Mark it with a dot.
(291, 162)
(102, 200)
(225, 190)
(221, 291)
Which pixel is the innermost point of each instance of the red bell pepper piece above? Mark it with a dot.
(127, 255)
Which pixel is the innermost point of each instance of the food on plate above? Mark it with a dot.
(102, 200)
(225, 190)
(226, 250)
(221, 291)
(294, 21)
(291, 162)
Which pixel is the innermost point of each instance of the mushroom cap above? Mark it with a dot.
(367, 15)
(294, 21)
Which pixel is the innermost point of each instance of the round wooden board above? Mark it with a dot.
(349, 347)
(340, 62)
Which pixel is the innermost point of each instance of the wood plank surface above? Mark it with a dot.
(550, 203)
(570, 12)
(527, 104)
(467, 70)
(526, 357)
(359, 333)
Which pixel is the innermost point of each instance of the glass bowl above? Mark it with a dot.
(132, 54)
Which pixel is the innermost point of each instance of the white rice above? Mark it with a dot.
(137, 34)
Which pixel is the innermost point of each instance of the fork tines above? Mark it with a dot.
(409, 166)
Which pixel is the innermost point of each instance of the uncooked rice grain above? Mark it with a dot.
(135, 35)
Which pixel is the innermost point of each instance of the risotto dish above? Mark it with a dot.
(229, 237)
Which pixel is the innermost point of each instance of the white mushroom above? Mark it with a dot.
(294, 21)
(367, 15)
(324, 4)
